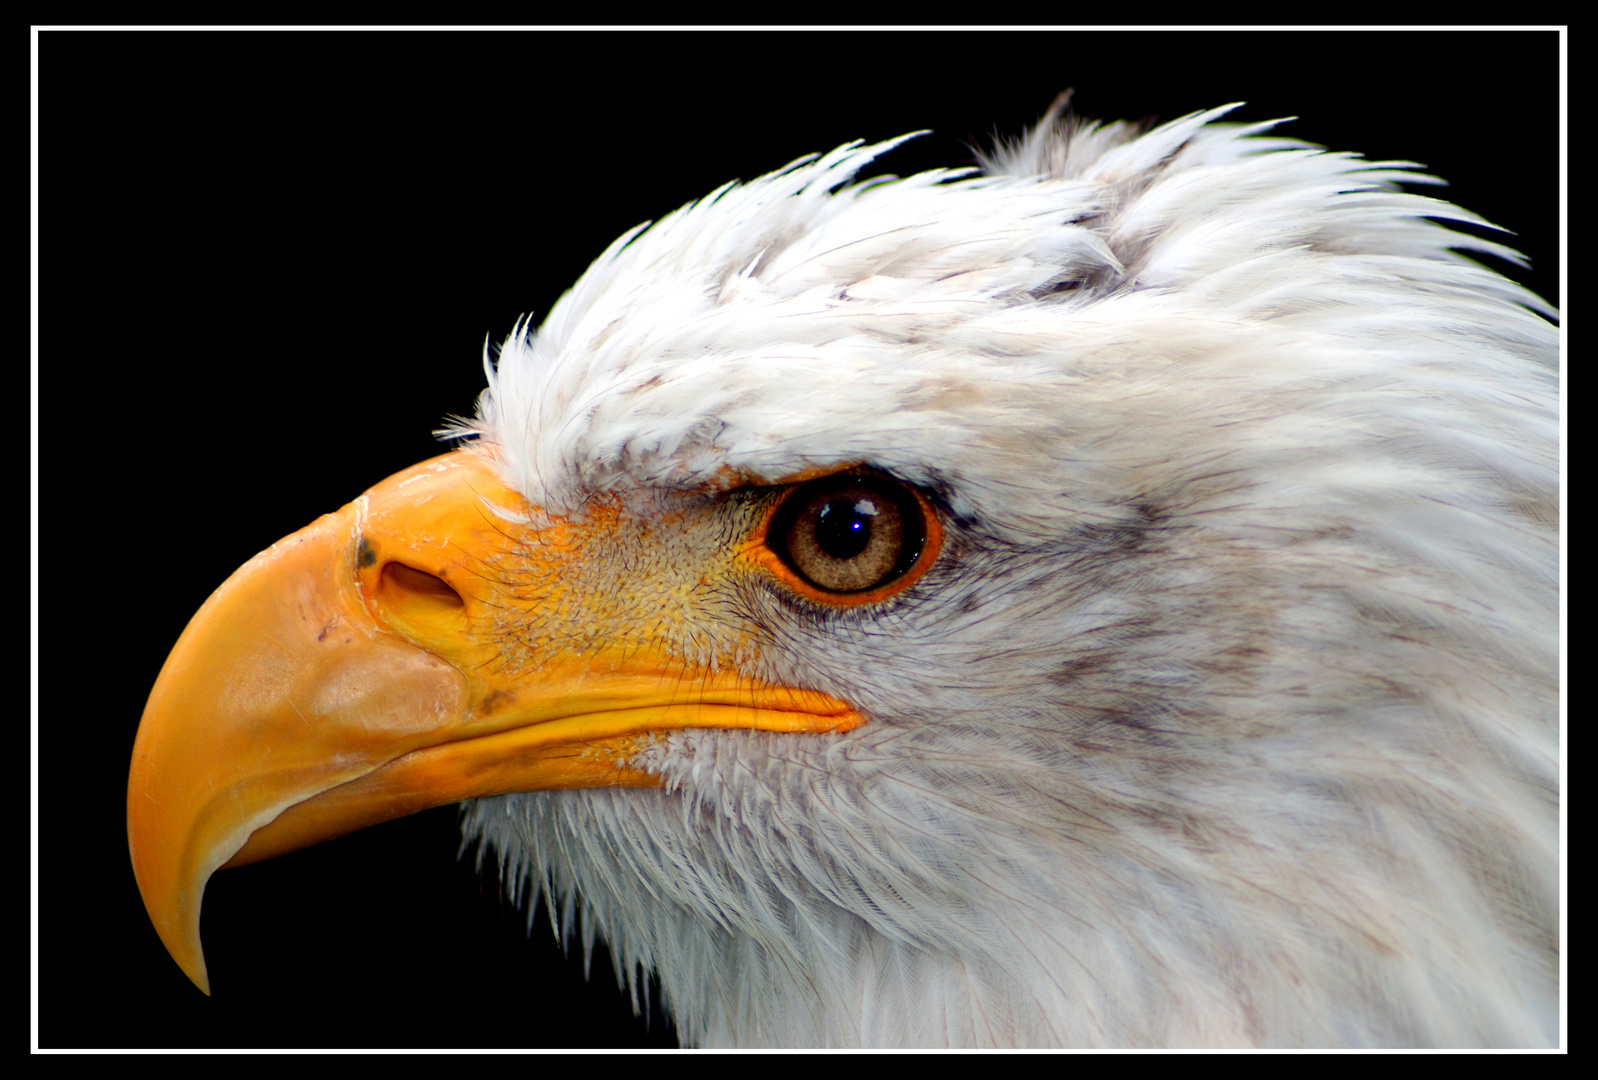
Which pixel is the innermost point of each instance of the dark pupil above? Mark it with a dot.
(843, 528)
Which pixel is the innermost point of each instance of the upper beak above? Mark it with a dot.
(377, 663)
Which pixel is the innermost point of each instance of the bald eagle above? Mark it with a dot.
(1103, 598)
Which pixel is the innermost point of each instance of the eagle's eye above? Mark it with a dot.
(853, 537)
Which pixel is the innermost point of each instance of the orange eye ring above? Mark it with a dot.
(849, 538)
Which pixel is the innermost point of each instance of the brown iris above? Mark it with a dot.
(849, 533)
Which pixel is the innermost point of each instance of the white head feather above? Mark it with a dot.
(1227, 715)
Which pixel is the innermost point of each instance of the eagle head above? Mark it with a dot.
(1106, 597)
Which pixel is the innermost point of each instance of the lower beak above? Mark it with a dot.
(371, 666)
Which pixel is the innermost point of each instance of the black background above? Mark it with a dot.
(268, 264)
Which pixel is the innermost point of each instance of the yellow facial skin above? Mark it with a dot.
(436, 640)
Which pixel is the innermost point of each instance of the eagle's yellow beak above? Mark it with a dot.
(422, 645)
